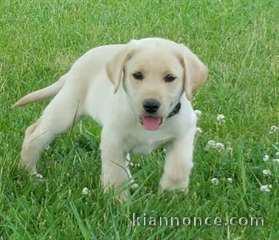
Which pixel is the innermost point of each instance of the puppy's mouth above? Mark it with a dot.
(151, 123)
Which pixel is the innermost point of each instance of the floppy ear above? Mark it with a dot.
(115, 67)
(195, 72)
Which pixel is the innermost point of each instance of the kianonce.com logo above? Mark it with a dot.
(174, 221)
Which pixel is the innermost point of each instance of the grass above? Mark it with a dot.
(237, 39)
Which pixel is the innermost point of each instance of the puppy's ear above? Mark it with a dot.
(195, 72)
(115, 67)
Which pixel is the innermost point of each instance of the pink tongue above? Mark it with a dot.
(151, 123)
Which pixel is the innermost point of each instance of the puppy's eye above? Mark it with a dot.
(169, 78)
(138, 75)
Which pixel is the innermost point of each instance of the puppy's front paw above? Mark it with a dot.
(122, 196)
(120, 193)
(116, 185)
(173, 183)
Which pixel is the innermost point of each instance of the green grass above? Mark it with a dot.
(238, 40)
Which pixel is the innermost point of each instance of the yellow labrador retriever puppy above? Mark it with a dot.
(136, 92)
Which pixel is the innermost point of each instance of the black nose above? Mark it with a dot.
(151, 105)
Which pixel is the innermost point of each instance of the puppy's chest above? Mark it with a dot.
(146, 142)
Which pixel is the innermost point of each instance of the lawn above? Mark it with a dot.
(238, 40)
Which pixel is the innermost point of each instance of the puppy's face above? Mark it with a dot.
(154, 72)
(153, 81)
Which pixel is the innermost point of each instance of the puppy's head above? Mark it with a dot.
(154, 73)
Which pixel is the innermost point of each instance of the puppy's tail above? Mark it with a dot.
(41, 94)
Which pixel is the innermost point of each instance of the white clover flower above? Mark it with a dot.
(198, 113)
(39, 176)
(199, 130)
(267, 172)
(85, 191)
(273, 129)
(210, 144)
(265, 188)
(265, 157)
(275, 160)
(230, 180)
(134, 186)
(215, 145)
(215, 181)
(220, 118)
(219, 147)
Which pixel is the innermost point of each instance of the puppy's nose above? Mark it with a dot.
(151, 105)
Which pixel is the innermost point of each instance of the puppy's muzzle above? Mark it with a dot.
(150, 119)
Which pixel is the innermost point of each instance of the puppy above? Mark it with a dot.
(139, 93)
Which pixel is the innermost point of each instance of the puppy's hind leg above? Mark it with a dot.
(58, 116)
